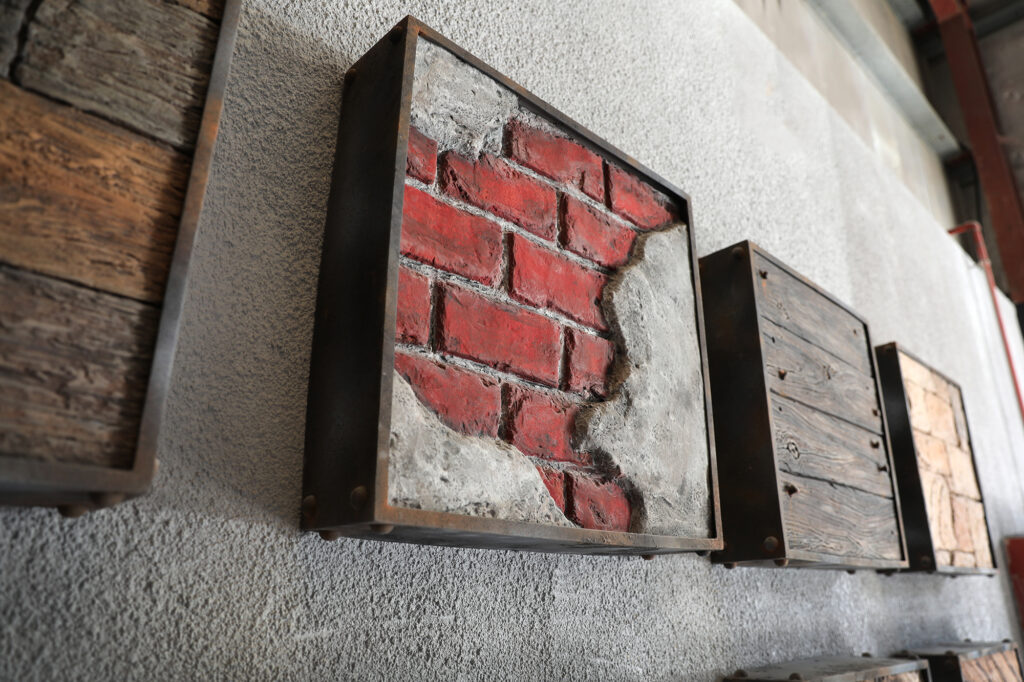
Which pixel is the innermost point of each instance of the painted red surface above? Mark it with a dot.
(524, 318)
(1015, 566)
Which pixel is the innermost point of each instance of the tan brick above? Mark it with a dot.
(962, 479)
(940, 418)
(943, 557)
(914, 371)
(939, 507)
(979, 534)
(962, 523)
(964, 559)
(960, 417)
(918, 409)
(931, 453)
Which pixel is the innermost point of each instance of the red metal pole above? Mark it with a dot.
(974, 227)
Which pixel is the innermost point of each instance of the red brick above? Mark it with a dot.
(637, 201)
(557, 158)
(555, 481)
(493, 185)
(464, 400)
(447, 238)
(412, 324)
(543, 278)
(590, 359)
(421, 161)
(594, 235)
(596, 504)
(541, 425)
(502, 336)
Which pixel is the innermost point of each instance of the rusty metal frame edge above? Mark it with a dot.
(379, 519)
(823, 560)
(893, 384)
(32, 482)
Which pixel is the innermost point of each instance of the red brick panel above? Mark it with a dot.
(542, 425)
(543, 278)
(596, 504)
(637, 201)
(412, 324)
(594, 235)
(466, 401)
(555, 482)
(557, 158)
(590, 360)
(502, 336)
(421, 162)
(447, 238)
(493, 185)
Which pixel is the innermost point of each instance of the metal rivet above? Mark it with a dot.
(309, 507)
(926, 560)
(796, 676)
(702, 552)
(72, 511)
(350, 75)
(740, 673)
(104, 500)
(730, 564)
(358, 497)
(782, 374)
(330, 535)
(646, 557)
(737, 252)
(381, 528)
(770, 543)
(782, 562)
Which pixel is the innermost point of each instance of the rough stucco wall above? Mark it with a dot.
(209, 577)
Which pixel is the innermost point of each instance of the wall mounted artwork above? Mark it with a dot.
(839, 669)
(509, 345)
(943, 508)
(972, 662)
(803, 448)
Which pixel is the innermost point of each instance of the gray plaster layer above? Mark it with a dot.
(209, 577)
(654, 427)
(433, 467)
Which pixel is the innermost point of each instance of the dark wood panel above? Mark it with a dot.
(834, 519)
(144, 63)
(796, 369)
(811, 443)
(73, 370)
(84, 200)
(805, 312)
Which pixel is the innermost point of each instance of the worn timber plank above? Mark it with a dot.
(796, 369)
(812, 443)
(73, 369)
(997, 667)
(214, 9)
(805, 312)
(834, 519)
(143, 63)
(84, 200)
(12, 16)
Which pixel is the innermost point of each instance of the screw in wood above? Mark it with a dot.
(72, 511)
(740, 672)
(875, 444)
(763, 273)
(646, 557)
(357, 498)
(330, 535)
(796, 676)
(730, 564)
(866, 654)
(381, 528)
(782, 374)
(770, 544)
(309, 507)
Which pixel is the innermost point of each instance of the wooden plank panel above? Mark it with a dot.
(833, 519)
(798, 370)
(12, 14)
(998, 667)
(812, 443)
(214, 9)
(144, 63)
(805, 312)
(85, 200)
(73, 370)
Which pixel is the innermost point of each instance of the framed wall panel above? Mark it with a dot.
(803, 446)
(509, 344)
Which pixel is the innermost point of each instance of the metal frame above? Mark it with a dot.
(921, 549)
(752, 514)
(834, 669)
(345, 484)
(77, 488)
(944, 659)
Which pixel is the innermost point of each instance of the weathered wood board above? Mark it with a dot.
(73, 369)
(12, 14)
(935, 463)
(84, 200)
(977, 662)
(142, 63)
(796, 368)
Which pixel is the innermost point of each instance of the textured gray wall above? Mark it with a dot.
(209, 577)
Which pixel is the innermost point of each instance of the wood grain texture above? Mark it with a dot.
(812, 443)
(214, 9)
(914, 676)
(143, 63)
(998, 667)
(12, 15)
(807, 313)
(84, 200)
(798, 370)
(834, 519)
(73, 370)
